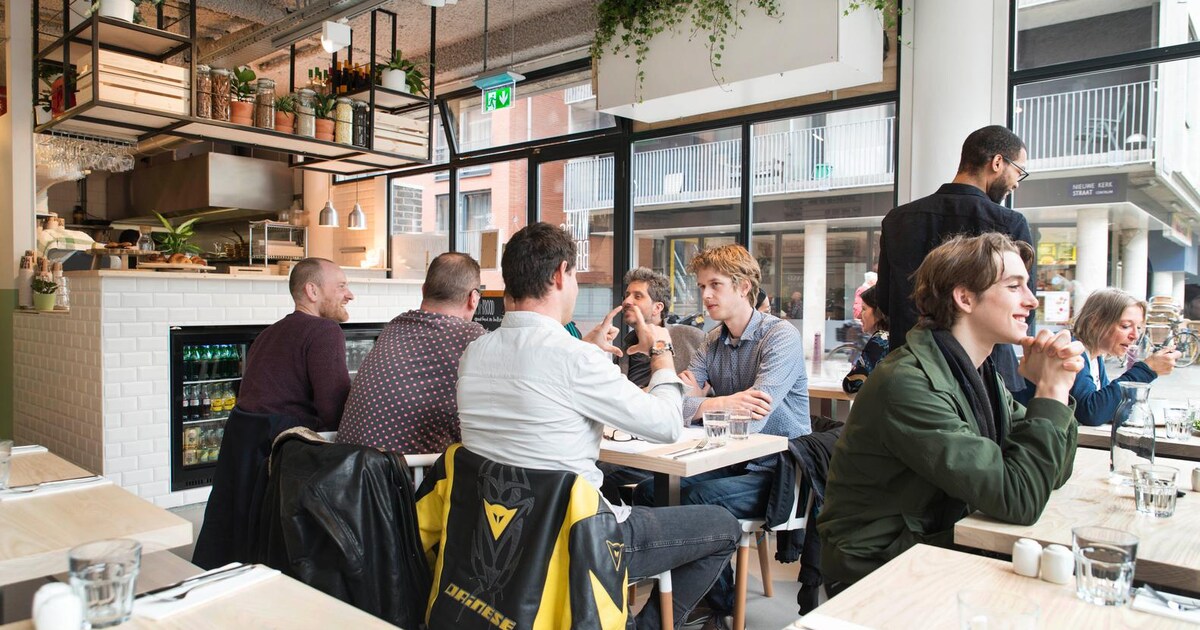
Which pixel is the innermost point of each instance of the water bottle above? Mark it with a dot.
(1132, 433)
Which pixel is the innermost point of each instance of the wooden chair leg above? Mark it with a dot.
(739, 584)
(666, 603)
(764, 562)
(632, 594)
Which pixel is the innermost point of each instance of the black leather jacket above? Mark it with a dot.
(340, 518)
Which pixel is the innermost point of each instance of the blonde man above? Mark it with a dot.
(752, 361)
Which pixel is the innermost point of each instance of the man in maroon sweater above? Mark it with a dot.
(297, 366)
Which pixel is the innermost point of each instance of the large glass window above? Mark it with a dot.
(578, 195)
(1058, 31)
(686, 192)
(418, 228)
(542, 109)
(821, 186)
(492, 208)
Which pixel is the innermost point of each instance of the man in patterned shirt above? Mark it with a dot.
(403, 398)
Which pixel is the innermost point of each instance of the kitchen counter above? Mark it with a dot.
(92, 384)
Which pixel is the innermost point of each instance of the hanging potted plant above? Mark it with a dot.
(44, 292)
(402, 75)
(127, 10)
(285, 113)
(241, 110)
(323, 105)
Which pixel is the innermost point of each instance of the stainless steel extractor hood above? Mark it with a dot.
(215, 186)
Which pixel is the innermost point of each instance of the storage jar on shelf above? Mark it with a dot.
(264, 104)
(362, 124)
(343, 116)
(204, 88)
(221, 95)
(305, 115)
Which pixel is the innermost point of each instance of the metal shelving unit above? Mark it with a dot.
(80, 46)
(261, 255)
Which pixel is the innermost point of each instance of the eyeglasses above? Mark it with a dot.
(619, 436)
(1023, 173)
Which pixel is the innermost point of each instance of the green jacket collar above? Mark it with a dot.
(922, 346)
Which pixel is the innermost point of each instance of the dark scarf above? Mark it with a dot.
(979, 385)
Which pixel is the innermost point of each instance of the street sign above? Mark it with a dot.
(499, 97)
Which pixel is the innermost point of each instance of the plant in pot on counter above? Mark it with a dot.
(241, 81)
(43, 294)
(402, 75)
(173, 245)
(323, 105)
(285, 113)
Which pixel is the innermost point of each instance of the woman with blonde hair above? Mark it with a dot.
(1108, 324)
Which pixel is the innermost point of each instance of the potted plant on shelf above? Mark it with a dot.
(241, 110)
(43, 294)
(174, 243)
(323, 105)
(137, 15)
(402, 75)
(285, 113)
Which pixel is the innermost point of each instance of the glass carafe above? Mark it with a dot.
(1132, 432)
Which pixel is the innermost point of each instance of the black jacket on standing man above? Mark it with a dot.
(913, 230)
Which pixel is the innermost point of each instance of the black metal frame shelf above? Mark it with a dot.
(123, 37)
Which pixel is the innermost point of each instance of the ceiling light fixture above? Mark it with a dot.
(335, 35)
(358, 218)
(328, 216)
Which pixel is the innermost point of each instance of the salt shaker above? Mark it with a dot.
(1027, 555)
(1196, 480)
(1058, 564)
(57, 607)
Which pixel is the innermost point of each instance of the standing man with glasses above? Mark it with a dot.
(992, 166)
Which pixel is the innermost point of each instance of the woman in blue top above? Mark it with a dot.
(1108, 324)
(876, 324)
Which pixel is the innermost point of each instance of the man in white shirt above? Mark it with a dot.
(531, 395)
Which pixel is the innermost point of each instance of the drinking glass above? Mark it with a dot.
(739, 424)
(992, 610)
(5, 456)
(1176, 421)
(1154, 489)
(716, 427)
(104, 575)
(1104, 564)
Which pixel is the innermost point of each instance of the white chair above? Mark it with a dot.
(665, 601)
(418, 462)
(758, 527)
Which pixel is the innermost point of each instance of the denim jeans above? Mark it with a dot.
(692, 541)
(744, 494)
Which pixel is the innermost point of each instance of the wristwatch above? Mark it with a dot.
(660, 347)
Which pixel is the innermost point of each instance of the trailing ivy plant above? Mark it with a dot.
(640, 20)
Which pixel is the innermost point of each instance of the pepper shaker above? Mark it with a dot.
(1027, 556)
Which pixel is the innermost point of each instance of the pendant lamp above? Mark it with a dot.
(328, 216)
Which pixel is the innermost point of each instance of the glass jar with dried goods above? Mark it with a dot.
(203, 91)
(362, 124)
(264, 104)
(305, 115)
(220, 94)
(343, 116)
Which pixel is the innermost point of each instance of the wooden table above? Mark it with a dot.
(1168, 551)
(919, 589)
(825, 389)
(38, 531)
(668, 472)
(1101, 436)
(278, 602)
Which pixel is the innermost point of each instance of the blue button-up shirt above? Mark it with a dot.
(769, 357)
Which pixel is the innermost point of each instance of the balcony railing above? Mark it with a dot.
(819, 158)
(1106, 126)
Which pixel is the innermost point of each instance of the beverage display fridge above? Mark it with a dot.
(206, 374)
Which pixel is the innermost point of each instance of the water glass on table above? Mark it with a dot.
(739, 424)
(991, 610)
(104, 575)
(716, 427)
(5, 458)
(1154, 489)
(1104, 564)
(1177, 421)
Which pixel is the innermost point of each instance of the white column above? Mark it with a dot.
(815, 247)
(1091, 253)
(1134, 263)
(953, 80)
(1178, 292)
(16, 187)
(1162, 283)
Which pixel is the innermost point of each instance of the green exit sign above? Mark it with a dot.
(499, 97)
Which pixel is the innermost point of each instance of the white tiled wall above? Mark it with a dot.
(92, 385)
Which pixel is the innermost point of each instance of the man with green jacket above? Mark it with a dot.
(934, 434)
